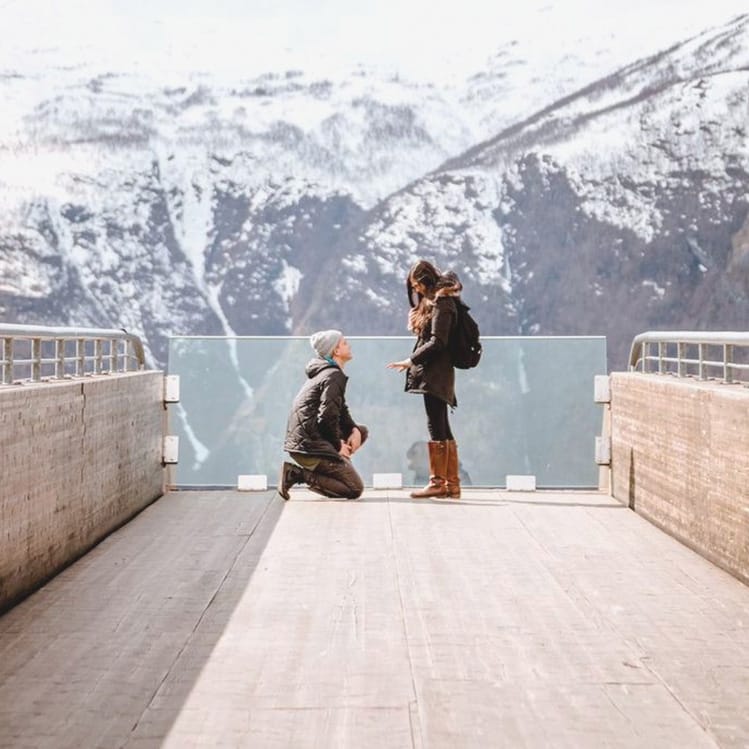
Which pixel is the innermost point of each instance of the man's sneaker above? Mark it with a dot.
(289, 475)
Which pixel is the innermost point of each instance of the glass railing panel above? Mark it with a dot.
(526, 409)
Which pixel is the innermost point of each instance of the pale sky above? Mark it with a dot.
(420, 39)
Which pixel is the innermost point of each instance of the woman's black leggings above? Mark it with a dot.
(437, 423)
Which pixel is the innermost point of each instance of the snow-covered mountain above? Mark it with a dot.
(616, 209)
(572, 197)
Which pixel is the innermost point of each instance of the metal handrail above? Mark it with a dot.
(673, 348)
(50, 353)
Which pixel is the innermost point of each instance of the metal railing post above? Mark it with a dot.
(98, 356)
(701, 362)
(7, 361)
(59, 358)
(727, 361)
(36, 359)
(80, 357)
(681, 349)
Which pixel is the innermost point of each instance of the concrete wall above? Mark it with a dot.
(77, 459)
(680, 458)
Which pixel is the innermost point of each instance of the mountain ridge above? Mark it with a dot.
(183, 220)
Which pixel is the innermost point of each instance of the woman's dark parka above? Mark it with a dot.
(432, 371)
(319, 417)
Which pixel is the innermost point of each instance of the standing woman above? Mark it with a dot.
(430, 371)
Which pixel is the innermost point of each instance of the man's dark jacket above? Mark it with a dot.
(319, 417)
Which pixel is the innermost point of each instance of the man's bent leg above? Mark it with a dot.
(337, 479)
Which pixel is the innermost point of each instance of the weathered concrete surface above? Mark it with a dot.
(77, 459)
(680, 457)
(503, 620)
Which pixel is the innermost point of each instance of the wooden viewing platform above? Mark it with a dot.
(547, 619)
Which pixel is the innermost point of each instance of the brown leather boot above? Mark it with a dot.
(437, 486)
(453, 470)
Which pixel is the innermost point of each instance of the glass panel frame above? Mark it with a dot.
(527, 408)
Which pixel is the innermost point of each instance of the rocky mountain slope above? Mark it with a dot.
(599, 201)
(620, 208)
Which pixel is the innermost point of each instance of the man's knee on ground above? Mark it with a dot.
(355, 489)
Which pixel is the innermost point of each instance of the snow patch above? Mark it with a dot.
(287, 283)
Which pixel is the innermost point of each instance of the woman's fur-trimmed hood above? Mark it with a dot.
(449, 285)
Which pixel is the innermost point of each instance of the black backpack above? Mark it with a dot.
(465, 346)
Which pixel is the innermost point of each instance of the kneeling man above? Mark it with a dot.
(321, 436)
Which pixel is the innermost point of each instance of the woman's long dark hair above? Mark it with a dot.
(424, 273)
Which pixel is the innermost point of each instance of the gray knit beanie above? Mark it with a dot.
(324, 342)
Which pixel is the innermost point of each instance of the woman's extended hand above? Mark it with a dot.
(399, 365)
